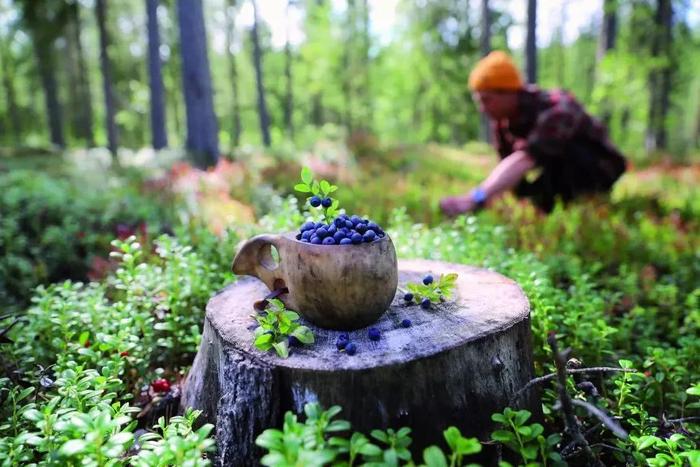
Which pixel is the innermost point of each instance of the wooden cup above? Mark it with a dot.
(340, 287)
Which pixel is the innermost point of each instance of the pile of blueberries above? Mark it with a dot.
(425, 303)
(344, 230)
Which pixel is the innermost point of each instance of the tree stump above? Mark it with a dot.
(457, 364)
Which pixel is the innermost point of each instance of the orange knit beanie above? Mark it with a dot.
(495, 72)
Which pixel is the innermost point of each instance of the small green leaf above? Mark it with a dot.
(291, 315)
(306, 175)
(84, 336)
(370, 449)
(73, 447)
(502, 436)
(32, 415)
(325, 187)
(646, 441)
(304, 335)
(122, 437)
(434, 457)
(379, 435)
(315, 188)
(302, 188)
(282, 348)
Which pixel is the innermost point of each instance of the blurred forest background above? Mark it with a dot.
(216, 75)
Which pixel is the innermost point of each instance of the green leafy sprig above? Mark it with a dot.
(276, 325)
(439, 290)
(322, 189)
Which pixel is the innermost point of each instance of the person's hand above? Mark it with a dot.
(455, 205)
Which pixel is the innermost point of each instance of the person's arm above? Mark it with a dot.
(505, 176)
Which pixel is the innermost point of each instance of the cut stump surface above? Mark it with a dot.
(455, 365)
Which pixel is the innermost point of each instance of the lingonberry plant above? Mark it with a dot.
(431, 291)
(320, 192)
(340, 230)
(277, 326)
(322, 440)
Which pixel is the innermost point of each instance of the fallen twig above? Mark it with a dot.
(570, 421)
(603, 417)
(551, 376)
(684, 420)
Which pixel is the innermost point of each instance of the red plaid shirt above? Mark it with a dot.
(547, 123)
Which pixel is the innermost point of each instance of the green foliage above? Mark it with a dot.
(321, 440)
(175, 443)
(526, 440)
(437, 291)
(276, 325)
(50, 230)
(86, 348)
(321, 189)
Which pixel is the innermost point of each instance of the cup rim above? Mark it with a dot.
(292, 236)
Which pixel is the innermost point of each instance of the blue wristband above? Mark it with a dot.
(479, 195)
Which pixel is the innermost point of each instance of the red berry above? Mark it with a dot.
(161, 385)
(124, 354)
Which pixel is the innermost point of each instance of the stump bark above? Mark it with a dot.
(457, 364)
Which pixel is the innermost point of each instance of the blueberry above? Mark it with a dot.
(408, 297)
(361, 228)
(373, 226)
(369, 236)
(320, 224)
(322, 233)
(406, 323)
(428, 279)
(308, 226)
(328, 241)
(355, 220)
(344, 335)
(345, 241)
(315, 201)
(327, 202)
(356, 238)
(332, 229)
(349, 224)
(351, 348)
(342, 341)
(298, 236)
(293, 341)
(338, 236)
(305, 240)
(339, 222)
(306, 234)
(315, 240)
(374, 334)
(365, 221)
(425, 304)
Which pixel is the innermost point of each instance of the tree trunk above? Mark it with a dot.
(155, 78)
(485, 48)
(531, 42)
(259, 82)
(369, 107)
(233, 72)
(608, 31)
(289, 98)
(456, 365)
(83, 110)
(13, 115)
(106, 69)
(660, 77)
(349, 66)
(47, 73)
(202, 131)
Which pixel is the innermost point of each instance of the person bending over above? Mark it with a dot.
(534, 128)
